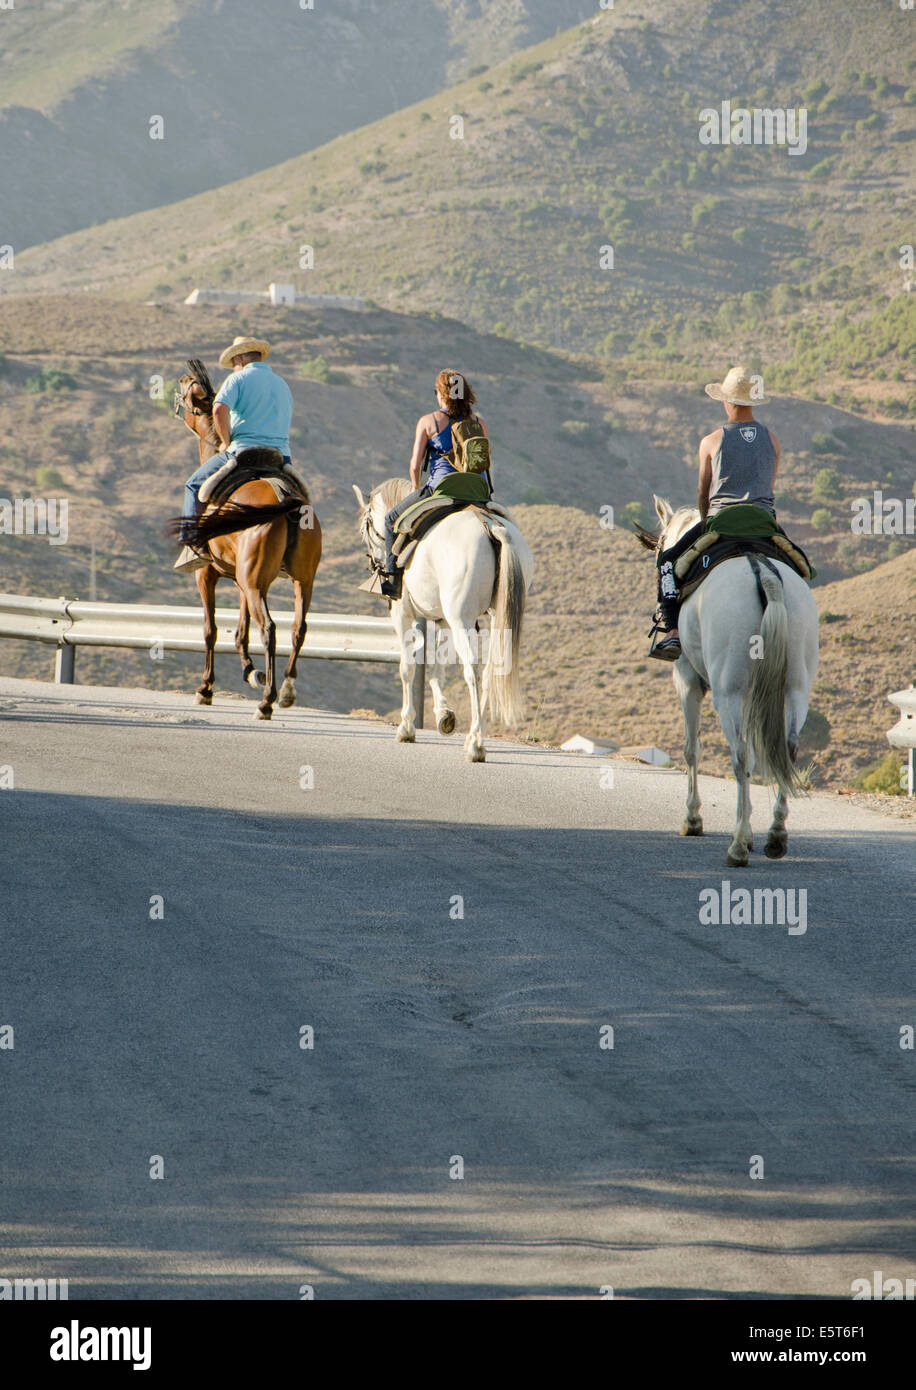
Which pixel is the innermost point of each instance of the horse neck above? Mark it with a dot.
(206, 443)
(679, 523)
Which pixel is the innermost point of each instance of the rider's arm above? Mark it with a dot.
(777, 446)
(419, 452)
(707, 453)
(221, 423)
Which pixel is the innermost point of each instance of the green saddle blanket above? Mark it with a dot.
(746, 521)
(469, 487)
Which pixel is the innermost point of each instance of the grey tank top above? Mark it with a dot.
(743, 470)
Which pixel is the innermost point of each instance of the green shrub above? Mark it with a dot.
(50, 379)
(317, 369)
(825, 444)
(633, 514)
(535, 497)
(885, 776)
(47, 477)
(827, 485)
(821, 520)
(580, 432)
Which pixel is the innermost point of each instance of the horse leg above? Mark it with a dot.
(403, 626)
(303, 568)
(249, 674)
(303, 597)
(257, 602)
(690, 693)
(474, 750)
(445, 718)
(207, 580)
(731, 718)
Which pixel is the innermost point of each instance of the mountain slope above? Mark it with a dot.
(239, 86)
(588, 140)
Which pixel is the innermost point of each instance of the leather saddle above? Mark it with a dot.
(250, 465)
(712, 549)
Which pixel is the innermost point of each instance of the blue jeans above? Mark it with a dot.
(192, 507)
(392, 516)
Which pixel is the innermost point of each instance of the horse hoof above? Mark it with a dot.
(475, 755)
(287, 695)
(446, 724)
(203, 699)
(264, 713)
(750, 845)
(405, 735)
(256, 679)
(692, 827)
(736, 861)
(776, 849)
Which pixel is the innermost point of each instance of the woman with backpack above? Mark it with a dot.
(434, 449)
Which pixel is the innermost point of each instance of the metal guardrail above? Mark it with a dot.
(69, 623)
(903, 734)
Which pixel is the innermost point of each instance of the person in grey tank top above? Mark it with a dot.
(738, 466)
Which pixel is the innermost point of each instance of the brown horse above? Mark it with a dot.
(248, 536)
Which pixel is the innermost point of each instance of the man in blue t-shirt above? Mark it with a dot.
(253, 408)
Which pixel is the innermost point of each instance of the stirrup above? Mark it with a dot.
(667, 650)
(392, 583)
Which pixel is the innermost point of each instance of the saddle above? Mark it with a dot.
(417, 521)
(713, 548)
(248, 466)
(258, 465)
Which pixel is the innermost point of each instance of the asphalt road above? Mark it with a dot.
(140, 1033)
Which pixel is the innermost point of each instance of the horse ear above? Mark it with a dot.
(663, 510)
(363, 504)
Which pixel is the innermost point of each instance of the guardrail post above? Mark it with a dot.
(419, 671)
(65, 665)
(903, 734)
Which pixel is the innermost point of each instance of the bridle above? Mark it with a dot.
(182, 404)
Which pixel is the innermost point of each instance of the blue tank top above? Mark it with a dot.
(438, 446)
(743, 469)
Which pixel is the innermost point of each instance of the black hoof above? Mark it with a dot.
(776, 849)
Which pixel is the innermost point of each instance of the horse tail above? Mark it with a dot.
(507, 614)
(765, 701)
(231, 517)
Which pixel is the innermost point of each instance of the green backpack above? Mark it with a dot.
(470, 446)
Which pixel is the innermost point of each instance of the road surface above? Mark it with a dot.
(179, 903)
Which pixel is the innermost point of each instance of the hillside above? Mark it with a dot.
(81, 79)
(74, 399)
(587, 140)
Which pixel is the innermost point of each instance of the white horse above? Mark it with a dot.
(759, 664)
(468, 565)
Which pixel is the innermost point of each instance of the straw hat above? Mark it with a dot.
(244, 345)
(735, 388)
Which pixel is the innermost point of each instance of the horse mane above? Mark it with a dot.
(677, 525)
(199, 374)
(393, 491)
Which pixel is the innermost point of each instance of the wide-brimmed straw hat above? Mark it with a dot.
(242, 345)
(734, 388)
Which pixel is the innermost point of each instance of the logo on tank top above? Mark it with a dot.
(748, 433)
